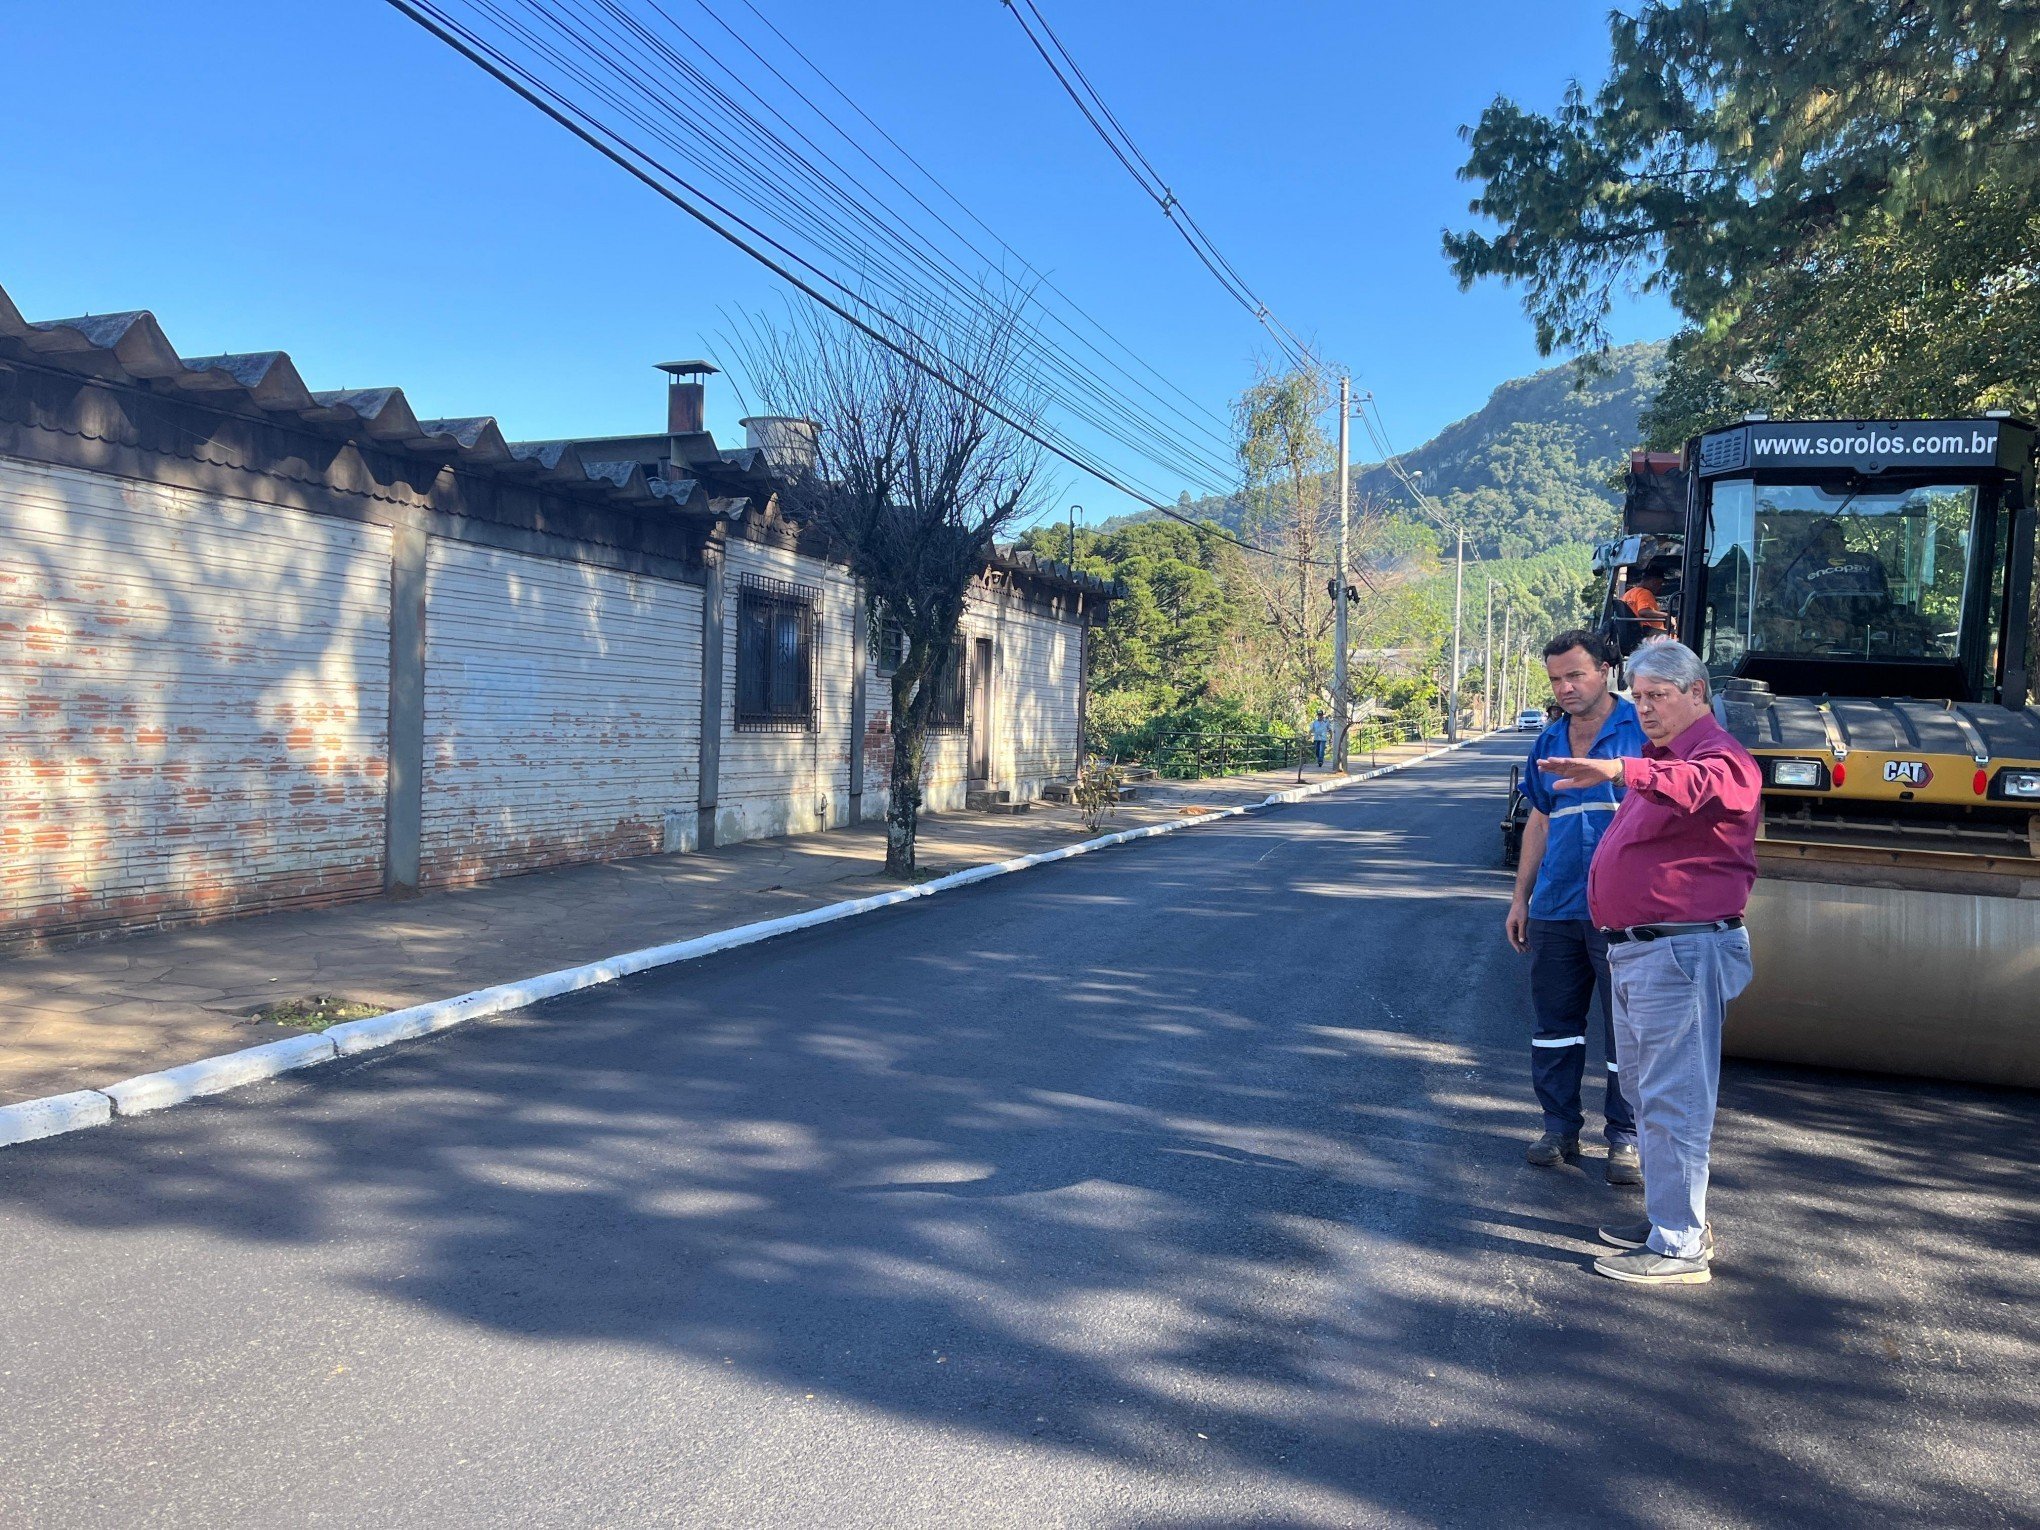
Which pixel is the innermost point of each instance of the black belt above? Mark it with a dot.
(1660, 931)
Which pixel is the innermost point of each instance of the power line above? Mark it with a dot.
(734, 150)
(755, 242)
(1113, 133)
(926, 174)
(915, 298)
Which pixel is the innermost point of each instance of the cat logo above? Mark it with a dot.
(1908, 772)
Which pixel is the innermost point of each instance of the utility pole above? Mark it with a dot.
(1339, 702)
(1487, 681)
(1071, 561)
(1508, 655)
(1458, 602)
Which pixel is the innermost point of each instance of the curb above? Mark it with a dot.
(55, 1114)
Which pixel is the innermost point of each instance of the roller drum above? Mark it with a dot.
(1893, 980)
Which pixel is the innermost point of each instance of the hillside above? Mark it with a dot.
(1532, 468)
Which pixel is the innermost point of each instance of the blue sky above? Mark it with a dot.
(327, 179)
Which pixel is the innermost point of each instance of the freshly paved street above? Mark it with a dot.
(1180, 1185)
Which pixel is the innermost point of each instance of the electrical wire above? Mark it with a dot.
(929, 176)
(739, 147)
(1078, 87)
(914, 299)
(756, 242)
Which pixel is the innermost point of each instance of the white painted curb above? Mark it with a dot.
(57, 1113)
(53, 1113)
(210, 1075)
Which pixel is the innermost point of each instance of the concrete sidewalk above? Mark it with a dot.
(88, 1015)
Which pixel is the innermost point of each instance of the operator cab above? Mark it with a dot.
(1828, 558)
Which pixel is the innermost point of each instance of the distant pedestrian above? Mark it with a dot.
(1668, 885)
(1569, 989)
(1320, 735)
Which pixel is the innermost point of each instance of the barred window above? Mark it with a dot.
(950, 693)
(776, 629)
(888, 641)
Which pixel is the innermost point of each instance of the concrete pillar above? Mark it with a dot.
(860, 661)
(711, 694)
(404, 805)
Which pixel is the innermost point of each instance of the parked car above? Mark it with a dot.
(1530, 720)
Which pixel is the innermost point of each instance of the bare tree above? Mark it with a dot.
(922, 459)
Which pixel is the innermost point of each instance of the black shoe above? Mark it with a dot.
(1646, 1266)
(1624, 1167)
(1637, 1235)
(1551, 1149)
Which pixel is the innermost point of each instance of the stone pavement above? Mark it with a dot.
(87, 1015)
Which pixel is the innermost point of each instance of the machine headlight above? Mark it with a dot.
(2020, 783)
(1801, 773)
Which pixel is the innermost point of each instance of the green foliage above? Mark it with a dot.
(1165, 641)
(1219, 717)
(1210, 640)
(1096, 793)
(1904, 317)
(1838, 197)
(1534, 467)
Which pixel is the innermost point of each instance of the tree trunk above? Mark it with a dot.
(903, 801)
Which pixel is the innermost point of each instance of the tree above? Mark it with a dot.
(1924, 316)
(922, 458)
(1289, 497)
(1759, 161)
(1163, 645)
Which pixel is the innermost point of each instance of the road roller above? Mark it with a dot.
(1863, 594)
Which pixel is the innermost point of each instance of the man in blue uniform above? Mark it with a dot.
(1548, 915)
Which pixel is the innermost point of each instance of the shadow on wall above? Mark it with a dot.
(1077, 1205)
(193, 704)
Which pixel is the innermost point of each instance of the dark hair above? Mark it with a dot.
(1597, 647)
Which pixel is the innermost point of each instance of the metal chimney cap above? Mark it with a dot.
(689, 368)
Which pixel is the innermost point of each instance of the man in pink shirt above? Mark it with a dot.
(1668, 884)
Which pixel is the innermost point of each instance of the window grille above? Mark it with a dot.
(777, 627)
(951, 694)
(888, 641)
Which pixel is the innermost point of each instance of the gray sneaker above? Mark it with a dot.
(1646, 1266)
(1624, 1166)
(1637, 1235)
(1552, 1149)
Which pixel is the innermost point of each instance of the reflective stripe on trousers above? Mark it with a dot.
(1569, 995)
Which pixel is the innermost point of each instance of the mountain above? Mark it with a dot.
(1533, 468)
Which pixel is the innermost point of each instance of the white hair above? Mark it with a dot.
(1674, 663)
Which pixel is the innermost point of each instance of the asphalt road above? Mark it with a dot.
(1179, 1185)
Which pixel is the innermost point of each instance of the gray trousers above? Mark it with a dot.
(1669, 998)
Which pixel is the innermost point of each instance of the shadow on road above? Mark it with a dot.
(1025, 1163)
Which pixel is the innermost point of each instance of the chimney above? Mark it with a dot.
(788, 442)
(684, 395)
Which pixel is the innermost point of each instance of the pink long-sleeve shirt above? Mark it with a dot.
(1683, 845)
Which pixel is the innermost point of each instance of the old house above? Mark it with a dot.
(262, 647)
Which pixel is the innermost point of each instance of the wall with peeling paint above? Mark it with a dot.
(789, 782)
(193, 703)
(562, 709)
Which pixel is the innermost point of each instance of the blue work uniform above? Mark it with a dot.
(1568, 956)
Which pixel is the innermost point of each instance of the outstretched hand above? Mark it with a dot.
(1578, 773)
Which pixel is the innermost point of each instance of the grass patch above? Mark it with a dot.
(316, 1012)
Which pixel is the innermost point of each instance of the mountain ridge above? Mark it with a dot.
(1532, 469)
